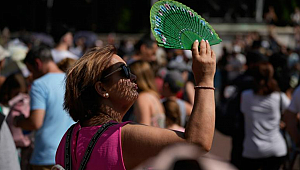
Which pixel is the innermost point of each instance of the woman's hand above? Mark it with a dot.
(204, 63)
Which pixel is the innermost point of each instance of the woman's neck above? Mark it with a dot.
(101, 118)
(97, 120)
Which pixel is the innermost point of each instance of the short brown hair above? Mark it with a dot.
(81, 98)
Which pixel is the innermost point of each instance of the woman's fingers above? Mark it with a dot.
(203, 62)
(208, 49)
(195, 51)
(205, 49)
(202, 48)
(213, 54)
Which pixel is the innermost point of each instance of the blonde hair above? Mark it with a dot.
(81, 97)
(145, 76)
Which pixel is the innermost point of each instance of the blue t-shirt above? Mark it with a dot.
(47, 93)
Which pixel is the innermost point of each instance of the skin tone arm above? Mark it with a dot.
(33, 122)
(188, 108)
(290, 119)
(140, 142)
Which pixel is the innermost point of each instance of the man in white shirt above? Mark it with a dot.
(63, 38)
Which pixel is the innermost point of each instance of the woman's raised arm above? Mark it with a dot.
(140, 142)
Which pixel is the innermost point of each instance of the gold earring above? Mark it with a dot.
(106, 95)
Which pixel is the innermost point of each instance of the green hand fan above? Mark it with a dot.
(175, 25)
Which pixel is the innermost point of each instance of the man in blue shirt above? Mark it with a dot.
(47, 116)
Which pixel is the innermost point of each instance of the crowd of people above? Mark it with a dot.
(258, 84)
(50, 82)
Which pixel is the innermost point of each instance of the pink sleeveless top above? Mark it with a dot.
(107, 153)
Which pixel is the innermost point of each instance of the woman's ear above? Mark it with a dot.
(100, 90)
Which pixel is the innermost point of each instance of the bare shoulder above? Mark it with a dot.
(145, 97)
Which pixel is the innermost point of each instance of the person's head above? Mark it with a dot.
(253, 58)
(36, 60)
(172, 112)
(271, 8)
(145, 75)
(66, 63)
(146, 49)
(182, 67)
(173, 83)
(98, 84)
(264, 83)
(62, 34)
(13, 85)
(111, 38)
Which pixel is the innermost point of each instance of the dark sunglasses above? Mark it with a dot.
(126, 71)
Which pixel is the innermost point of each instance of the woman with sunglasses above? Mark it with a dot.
(100, 89)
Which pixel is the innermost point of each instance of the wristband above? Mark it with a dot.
(204, 87)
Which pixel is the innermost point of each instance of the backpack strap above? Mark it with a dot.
(68, 154)
(88, 152)
(2, 117)
(92, 144)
